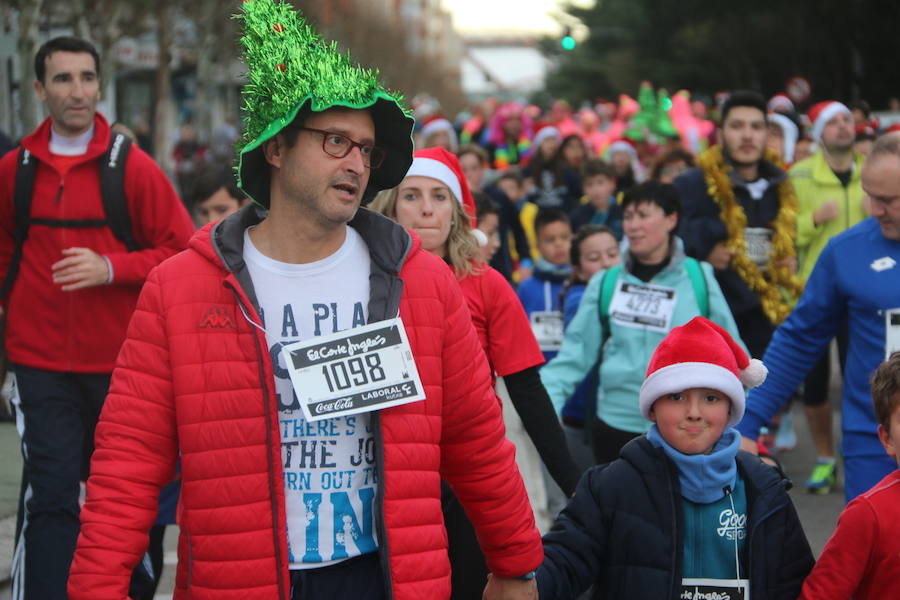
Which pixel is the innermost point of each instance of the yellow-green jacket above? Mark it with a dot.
(815, 183)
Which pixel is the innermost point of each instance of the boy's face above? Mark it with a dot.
(554, 241)
(216, 207)
(599, 188)
(890, 438)
(511, 188)
(598, 251)
(692, 421)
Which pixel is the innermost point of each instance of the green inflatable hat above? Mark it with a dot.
(291, 68)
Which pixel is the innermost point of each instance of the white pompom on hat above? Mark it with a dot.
(700, 354)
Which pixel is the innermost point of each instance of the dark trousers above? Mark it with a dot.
(468, 568)
(756, 331)
(815, 386)
(359, 578)
(607, 441)
(58, 414)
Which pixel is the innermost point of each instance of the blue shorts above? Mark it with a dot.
(863, 472)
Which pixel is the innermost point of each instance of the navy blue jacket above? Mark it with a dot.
(623, 532)
(700, 225)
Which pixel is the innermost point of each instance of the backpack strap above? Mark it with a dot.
(607, 290)
(698, 282)
(112, 191)
(26, 167)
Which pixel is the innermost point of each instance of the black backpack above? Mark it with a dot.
(112, 191)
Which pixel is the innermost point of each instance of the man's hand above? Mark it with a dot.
(827, 212)
(498, 588)
(720, 256)
(790, 263)
(82, 268)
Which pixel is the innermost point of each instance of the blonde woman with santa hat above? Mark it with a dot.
(435, 203)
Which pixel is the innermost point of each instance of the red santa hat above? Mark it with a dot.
(821, 113)
(701, 354)
(543, 132)
(443, 166)
(438, 123)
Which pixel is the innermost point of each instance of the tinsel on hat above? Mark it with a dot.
(290, 66)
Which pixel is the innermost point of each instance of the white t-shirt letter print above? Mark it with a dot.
(330, 475)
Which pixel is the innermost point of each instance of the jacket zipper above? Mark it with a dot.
(267, 408)
(846, 208)
(383, 554)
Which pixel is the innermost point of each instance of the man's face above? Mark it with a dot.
(216, 207)
(881, 183)
(71, 89)
(328, 189)
(473, 169)
(744, 134)
(838, 134)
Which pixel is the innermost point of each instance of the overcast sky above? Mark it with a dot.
(516, 15)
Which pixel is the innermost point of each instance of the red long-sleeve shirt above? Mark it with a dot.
(862, 558)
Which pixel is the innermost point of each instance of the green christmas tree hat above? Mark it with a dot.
(291, 67)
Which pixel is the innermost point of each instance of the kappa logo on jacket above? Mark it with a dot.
(216, 318)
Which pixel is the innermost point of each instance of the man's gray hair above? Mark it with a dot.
(888, 143)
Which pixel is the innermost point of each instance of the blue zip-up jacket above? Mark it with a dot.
(540, 292)
(857, 277)
(628, 350)
(624, 532)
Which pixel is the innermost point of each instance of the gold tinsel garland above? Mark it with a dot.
(779, 287)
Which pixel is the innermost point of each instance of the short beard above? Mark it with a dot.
(838, 148)
(738, 163)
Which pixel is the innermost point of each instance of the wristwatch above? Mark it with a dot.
(527, 576)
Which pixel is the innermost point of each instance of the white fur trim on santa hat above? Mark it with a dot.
(436, 125)
(428, 167)
(789, 132)
(544, 133)
(828, 113)
(682, 376)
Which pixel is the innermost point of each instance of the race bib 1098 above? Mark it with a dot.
(359, 370)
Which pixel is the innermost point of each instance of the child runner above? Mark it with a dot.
(682, 513)
(862, 558)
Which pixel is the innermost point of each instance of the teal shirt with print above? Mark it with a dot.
(713, 534)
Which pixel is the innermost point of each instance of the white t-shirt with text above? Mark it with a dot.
(329, 466)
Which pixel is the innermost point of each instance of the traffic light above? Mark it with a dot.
(567, 42)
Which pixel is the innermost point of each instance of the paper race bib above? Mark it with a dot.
(714, 589)
(547, 326)
(758, 241)
(643, 306)
(891, 332)
(359, 370)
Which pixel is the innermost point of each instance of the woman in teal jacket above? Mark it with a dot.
(626, 311)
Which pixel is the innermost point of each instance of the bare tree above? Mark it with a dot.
(163, 89)
(27, 45)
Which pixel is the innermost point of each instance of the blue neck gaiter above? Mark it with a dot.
(703, 477)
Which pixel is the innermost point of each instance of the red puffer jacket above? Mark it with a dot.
(194, 378)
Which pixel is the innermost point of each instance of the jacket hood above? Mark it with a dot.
(38, 141)
(222, 243)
